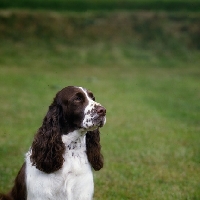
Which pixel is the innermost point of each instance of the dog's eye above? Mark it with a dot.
(78, 99)
(92, 97)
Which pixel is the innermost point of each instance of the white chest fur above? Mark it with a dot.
(74, 181)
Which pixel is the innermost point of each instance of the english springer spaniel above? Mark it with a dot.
(66, 147)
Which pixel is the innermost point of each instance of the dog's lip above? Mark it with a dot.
(100, 121)
(101, 124)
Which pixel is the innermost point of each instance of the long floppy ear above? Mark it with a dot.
(47, 147)
(94, 149)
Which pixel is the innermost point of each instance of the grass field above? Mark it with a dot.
(151, 139)
(142, 66)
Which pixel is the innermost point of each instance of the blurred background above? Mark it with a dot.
(140, 58)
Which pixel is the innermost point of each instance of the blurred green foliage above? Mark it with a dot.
(85, 5)
(158, 31)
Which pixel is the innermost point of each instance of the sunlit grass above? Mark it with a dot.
(151, 139)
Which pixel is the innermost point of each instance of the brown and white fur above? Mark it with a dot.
(66, 147)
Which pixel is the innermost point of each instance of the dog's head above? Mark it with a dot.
(79, 110)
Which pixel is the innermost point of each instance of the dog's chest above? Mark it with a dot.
(76, 171)
(73, 181)
(76, 161)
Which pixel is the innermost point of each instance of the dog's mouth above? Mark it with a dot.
(99, 121)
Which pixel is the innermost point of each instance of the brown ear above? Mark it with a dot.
(94, 149)
(47, 147)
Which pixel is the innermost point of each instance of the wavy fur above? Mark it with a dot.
(47, 147)
(94, 149)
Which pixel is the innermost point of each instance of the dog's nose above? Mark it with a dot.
(101, 111)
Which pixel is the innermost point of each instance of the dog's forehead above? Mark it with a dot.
(70, 91)
(66, 93)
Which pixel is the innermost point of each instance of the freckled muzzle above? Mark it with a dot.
(95, 117)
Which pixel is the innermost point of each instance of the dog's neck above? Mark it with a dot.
(74, 140)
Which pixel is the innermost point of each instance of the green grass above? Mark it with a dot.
(151, 139)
